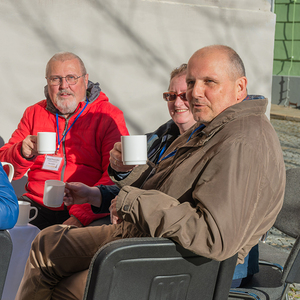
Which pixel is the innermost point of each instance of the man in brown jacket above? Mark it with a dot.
(215, 191)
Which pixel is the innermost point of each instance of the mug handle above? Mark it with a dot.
(11, 170)
(35, 214)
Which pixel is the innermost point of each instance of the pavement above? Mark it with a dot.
(282, 112)
(286, 122)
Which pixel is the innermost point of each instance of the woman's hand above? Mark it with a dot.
(116, 159)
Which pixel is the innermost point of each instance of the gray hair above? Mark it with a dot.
(63, 56)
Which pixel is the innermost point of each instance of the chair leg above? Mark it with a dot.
(284, 295)
(243, 295)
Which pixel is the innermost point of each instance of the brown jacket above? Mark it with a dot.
(220, 192)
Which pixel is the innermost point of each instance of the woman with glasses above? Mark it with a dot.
(157, 142)
(179, 109)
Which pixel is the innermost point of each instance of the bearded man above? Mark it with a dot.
(86, 125)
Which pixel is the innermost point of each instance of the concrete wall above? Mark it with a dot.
(285, 90)
(128, 46)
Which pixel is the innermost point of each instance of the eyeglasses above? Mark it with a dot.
(171, 96)
(57, 80)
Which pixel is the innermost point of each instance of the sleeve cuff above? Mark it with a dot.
(117, 175)
(108, 193)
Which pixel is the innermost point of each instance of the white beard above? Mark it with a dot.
(66, 106)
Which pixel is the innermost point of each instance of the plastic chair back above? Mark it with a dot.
(288, 220)
(5, 250)
(156, 269)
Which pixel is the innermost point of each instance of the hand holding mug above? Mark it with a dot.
(42, 143)
(29, 146)
(116, 159)
(80, 193)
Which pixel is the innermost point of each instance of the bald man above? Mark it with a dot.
(215, 191)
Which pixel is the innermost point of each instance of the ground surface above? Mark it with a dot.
(289, 136)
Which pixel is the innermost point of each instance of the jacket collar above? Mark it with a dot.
(252, 105)
(92, 93)
(256, 106)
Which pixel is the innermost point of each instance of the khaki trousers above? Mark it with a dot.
(60, 251)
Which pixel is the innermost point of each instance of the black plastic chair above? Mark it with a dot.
(156, 269)
(273, 280)
(5, 250)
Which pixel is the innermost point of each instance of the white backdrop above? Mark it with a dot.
(128, 46)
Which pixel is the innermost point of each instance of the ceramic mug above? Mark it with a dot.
(134, 149)
(54, 191)
(46, 142)
(24, 213)
(11, 170)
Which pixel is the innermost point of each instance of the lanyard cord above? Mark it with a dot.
(174, 152)
(200, 127)
(58, 140)
(162, 152)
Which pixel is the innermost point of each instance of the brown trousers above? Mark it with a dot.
(61, 251)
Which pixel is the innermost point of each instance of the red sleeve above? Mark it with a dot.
(11, 151)
(85, 214)
(109, 132)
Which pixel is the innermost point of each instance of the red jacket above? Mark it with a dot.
(86, 148)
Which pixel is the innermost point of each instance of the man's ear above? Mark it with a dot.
(241, 88)
(86, 80)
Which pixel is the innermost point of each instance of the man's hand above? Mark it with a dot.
(114, 218)
(29, 146)
(116, 159)
(79, 193)
(72, 221)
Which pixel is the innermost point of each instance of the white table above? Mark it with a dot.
(22, 237)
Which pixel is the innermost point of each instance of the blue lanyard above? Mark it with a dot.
(162, 152)
(58, 140)
(174, 152)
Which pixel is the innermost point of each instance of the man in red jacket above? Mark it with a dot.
(86, 126)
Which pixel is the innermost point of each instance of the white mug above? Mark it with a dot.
(24, 213)
(46, 142)
(134, 149)
(11, 170)
(54, 191)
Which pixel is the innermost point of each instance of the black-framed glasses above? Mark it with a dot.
(171, 96)
(57, 80)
